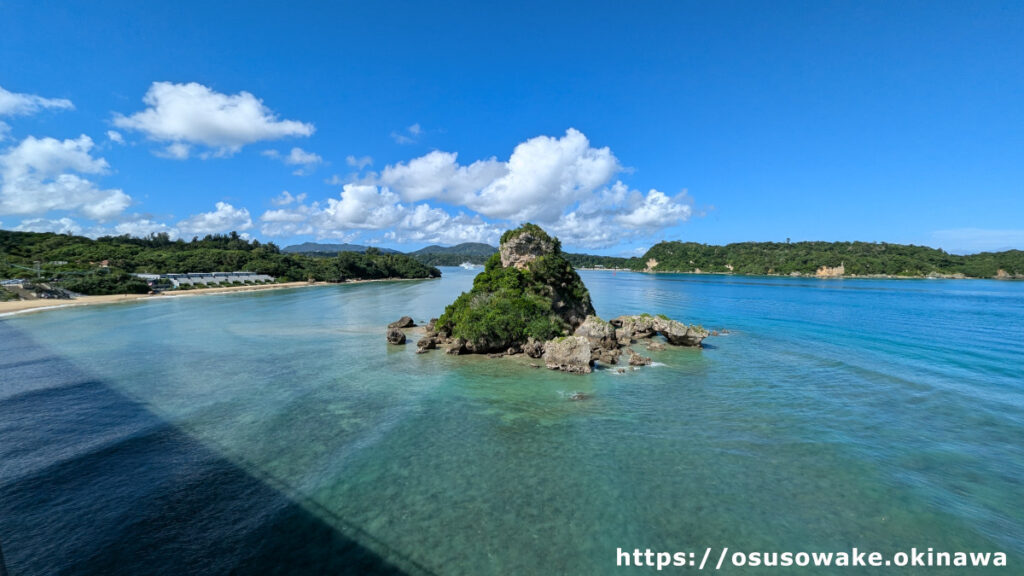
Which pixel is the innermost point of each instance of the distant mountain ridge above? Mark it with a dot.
(466, 248)
(473, 252)
(314, 247)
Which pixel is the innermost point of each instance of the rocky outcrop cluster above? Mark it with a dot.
(646, 326)
(394, 332)
(571, 354)
(395, 336)
(403, 322)
(594, 341)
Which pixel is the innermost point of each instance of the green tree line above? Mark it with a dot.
(857, 258)
(77, 263)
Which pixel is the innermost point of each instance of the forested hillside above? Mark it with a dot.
(330, 249)
(101, 266)
(472, 252)
(856, 258)
(594, 261)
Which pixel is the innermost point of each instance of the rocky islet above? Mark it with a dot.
(529, 300)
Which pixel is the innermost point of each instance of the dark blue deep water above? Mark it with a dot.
(276, 432)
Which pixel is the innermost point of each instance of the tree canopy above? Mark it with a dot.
(103, 265)
(857, 258)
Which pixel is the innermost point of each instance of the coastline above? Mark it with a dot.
(27, 306)
(17, 307)
(11, 308)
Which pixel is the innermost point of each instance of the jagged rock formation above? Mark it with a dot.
(638, 360)
(604, 344)
(533, 348)
(608, 340)
(569, 354)
(524, 245)
(530, 300)
(679, 334)
(395, 336)
(403, 322)
(631, 328)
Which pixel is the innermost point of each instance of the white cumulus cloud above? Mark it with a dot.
(542, 179)
(141, 226)
(297, 157)
(545, 176)
(39, 175)
(435, 226)
(655, 210)
(185, 115)
(617, 214)
(365, 208)
(562, 183)
(300, 157)
(288, 222)
(360, 162)
(438, 175)
(60, 226)
(15, 104)
(225, 218)
(286, 198)
(361, 206)
(137, 225)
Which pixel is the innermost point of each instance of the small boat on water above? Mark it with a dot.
(469, 266)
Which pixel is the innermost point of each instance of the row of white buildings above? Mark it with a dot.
(206, 278)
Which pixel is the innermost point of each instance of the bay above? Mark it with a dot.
(277, 432)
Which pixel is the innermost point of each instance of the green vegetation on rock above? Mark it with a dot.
(534, 230)
(540, 296)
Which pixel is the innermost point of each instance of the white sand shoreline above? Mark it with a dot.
(17, 307)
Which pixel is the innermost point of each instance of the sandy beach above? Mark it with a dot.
(38, 305)
(27, 306)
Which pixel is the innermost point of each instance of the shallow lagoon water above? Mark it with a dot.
(277, 432)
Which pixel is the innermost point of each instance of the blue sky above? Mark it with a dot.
(615, 125)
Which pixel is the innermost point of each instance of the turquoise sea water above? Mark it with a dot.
(276, 432)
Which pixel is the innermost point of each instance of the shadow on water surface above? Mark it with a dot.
(92, 482)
